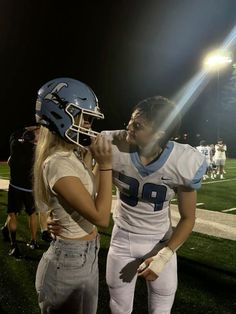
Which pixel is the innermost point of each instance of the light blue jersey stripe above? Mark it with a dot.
(154, 166)
(196, 182)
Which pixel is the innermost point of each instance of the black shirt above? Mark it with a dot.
(21, 161)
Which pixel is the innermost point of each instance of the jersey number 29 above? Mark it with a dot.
(152, 193)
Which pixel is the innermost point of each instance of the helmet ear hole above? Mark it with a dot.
(28, 136)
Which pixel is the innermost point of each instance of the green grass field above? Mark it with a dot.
(206, 265)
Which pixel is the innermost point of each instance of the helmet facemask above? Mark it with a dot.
(77, 133)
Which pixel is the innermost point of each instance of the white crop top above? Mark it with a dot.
(63, 164)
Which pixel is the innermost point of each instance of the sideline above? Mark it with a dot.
(4, 184)
(208, 222)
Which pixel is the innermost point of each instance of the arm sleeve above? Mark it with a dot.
(191, 167)
(195, 183)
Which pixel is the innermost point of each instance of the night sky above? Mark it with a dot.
(125, 50)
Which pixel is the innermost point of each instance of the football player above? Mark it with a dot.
(148, 171)
(220, 157)
(206, 151)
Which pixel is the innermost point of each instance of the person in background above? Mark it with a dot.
(22, 144)
(67, 274)
(220, 157)
(206, 151)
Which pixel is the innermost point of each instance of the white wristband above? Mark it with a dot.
(159, 260)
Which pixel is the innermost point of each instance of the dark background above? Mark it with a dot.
(125, 50)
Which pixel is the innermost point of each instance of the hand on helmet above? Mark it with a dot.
(101, 151)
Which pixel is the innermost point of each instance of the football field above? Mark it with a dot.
(206, 264)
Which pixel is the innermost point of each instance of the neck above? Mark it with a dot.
(146, 155)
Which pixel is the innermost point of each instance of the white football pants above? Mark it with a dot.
(127, 251)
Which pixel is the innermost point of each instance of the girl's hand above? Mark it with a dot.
(101, 151)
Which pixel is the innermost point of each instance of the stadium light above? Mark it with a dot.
(217, 61)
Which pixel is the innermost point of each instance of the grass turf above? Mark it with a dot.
(206, 268)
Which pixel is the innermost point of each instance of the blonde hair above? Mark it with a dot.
(48, 143)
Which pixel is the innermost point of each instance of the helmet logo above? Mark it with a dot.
(53, 95)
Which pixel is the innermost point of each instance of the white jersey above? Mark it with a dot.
(220, 151)
(145, 192)
(205, 151)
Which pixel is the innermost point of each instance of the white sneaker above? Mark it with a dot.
(221, 176)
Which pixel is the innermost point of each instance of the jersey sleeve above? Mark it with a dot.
(117, 135)
(196, 181)
(191, 167)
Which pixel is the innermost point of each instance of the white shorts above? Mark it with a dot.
(220, 162)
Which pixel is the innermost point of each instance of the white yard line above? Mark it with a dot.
(4, 184)
(209, 222)
(218, 181)
(229, 210)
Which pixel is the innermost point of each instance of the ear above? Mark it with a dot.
(158, 135)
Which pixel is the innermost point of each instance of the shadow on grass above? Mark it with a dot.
(201, 289)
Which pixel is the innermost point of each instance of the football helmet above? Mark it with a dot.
(63, 104)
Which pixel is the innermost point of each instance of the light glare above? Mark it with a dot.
(217, 60)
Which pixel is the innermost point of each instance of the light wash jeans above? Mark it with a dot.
(67, 277)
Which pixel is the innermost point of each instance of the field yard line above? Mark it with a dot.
(228, 210)
(219, 181)
(209, 222)
(4, 184)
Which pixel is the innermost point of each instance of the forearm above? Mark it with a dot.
(104, 197)
(187, 210)
(181, 232)
(152, 267)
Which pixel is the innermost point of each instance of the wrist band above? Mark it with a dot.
(105, 169)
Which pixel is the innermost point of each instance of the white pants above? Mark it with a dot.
(127, 251)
